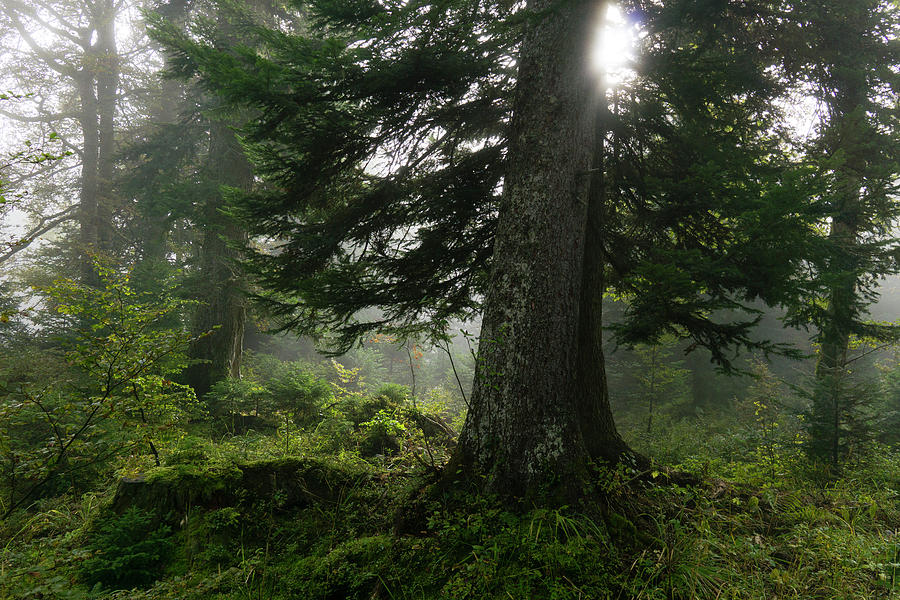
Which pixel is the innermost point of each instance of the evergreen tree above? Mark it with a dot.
(707, 215)
(194, 139)
(218, 323)
(161, 175)
(387, 133)
(848, 55)
(426, 114)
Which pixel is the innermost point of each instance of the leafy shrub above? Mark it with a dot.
(237, 396)
(290, 388)
(381, 434)
(127, 552)
(223, 519)
(394, 393)
(121, 353)
(360, 408)
(297, 391)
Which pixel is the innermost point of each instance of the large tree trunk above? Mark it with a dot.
(522, 432)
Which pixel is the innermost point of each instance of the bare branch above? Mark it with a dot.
(59, 17)
(70, 146)
(44, 225)
(40, 51)
(37, 118)
(46, 170)
(32, 14)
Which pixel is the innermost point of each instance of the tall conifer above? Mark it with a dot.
(847, 58)
(405, 173)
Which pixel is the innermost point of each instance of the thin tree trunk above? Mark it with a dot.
(700, 376)
(594, 413)
(107, 76)
(89, 196)
(835, 333)
(843, 269)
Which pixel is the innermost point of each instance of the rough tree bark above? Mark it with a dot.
(524, 432)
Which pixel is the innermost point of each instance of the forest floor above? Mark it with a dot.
(232, 521)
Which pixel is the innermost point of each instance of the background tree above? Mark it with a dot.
(160, 176)
(213, 166)
(660, 379)
(13, 199)
(707, 216)
(77, 45)
(418, 214)
(845, 51)
(222, 311)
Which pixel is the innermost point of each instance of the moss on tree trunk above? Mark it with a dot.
(537, 417)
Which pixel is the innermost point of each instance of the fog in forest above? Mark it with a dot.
(462, 299)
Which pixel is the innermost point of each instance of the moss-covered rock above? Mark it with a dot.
(172, 491)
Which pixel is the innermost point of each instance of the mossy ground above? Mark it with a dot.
(632, 536)
(346, 507)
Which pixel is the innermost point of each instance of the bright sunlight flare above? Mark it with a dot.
(615, 44)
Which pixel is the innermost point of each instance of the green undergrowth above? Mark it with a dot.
(333, 497)
(635, 535)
